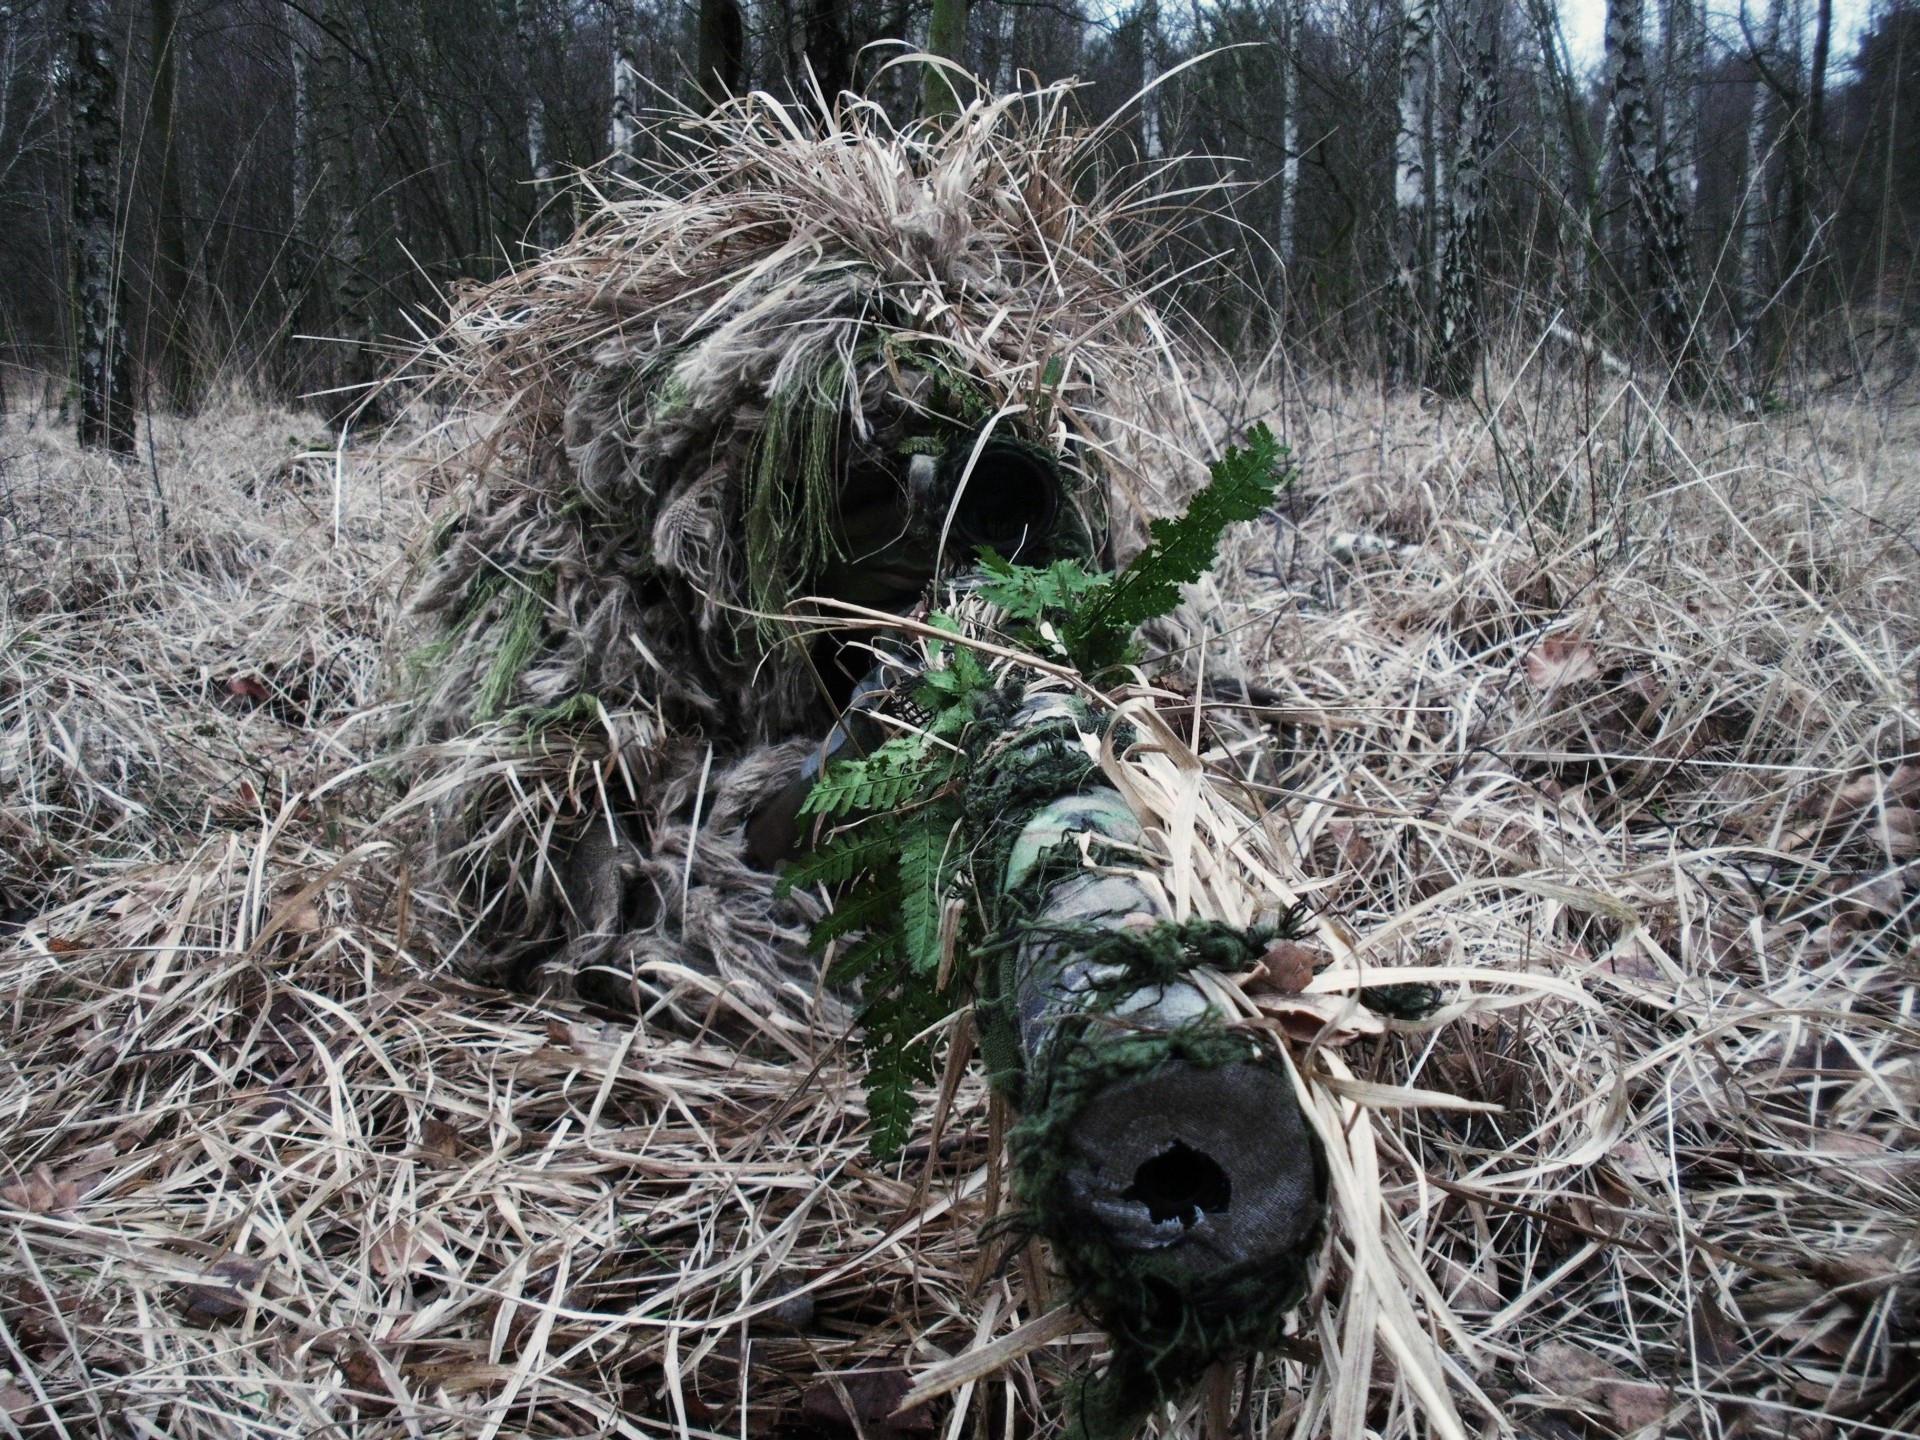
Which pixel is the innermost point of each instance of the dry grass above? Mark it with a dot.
(1612, 700)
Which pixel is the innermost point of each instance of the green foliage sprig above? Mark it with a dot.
(1092, 618)
(895, 848)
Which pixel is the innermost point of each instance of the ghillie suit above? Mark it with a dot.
(752, 428)
(713, 403)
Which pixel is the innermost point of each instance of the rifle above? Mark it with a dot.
(970, 817)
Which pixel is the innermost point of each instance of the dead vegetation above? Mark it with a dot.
(1613, 699)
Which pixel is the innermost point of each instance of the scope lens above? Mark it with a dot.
(1011, 501)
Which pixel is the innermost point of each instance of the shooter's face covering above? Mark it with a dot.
(901, 516)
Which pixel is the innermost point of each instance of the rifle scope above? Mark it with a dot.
(1009, 501)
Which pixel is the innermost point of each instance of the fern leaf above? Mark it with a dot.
(1242, 485)
(925, 877)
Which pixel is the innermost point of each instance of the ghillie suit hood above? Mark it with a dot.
(694, 397)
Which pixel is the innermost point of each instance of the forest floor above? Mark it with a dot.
(1578, 683)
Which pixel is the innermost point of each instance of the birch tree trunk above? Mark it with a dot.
(1412, 180)
(526, 39)
(1150, 138)
(1659, 227)
(1571, 142)
(173, 281)
(624, 126)
(1005, 71)
(99, 301)
(1685, 26)
(1457, 327)
(1293, 33)
(1754, 212)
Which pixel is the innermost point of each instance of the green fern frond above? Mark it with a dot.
(926, 876)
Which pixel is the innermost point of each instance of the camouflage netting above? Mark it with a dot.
(706, 400)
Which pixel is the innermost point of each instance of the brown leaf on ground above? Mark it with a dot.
(439, 1141)
(874, 1394)
(402, 1248)
(223, 1297)
(1285, 969)
(1575, 1374)
(40, 1192)
(1561, 660)
(360, 1369)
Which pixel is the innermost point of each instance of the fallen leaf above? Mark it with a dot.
(249, 687)
(1353, 846)
(1636, 1404)
(1561, 660)
(439, 1141)
(304, 921)
(63, 947)
(1901, 786)
(222, 1298)
(403, 1248)
(1572, 1373)
(41, 1193)
(360, 1368)
(1638, 1159)
(875, 1394)
(1287, 968)
(15, 1402)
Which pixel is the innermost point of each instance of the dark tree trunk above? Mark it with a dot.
(823, 45)
(179, 384)
(723, 50)
(947, 38)
(343, 219)
(1457, 323)
(1659, 221)
(93, 106)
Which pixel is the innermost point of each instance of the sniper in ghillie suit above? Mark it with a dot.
(813, 619)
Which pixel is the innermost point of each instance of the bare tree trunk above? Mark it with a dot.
(1151, 143)
(1563, 99)
(1412, 179)
(624, 127)
(342, 207)
(99, 300)
(1686, 56)
(1457, 328)
(1005, 72)
(526, 40)
(173, 280)
(947, 38)
(723, 51)
(1754, 208)
(1659, 224)
(1293, 34)
(822, 41)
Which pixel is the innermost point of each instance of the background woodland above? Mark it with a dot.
(198, 188)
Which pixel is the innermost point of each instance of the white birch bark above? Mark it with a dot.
(1457, 328)
(624, 127)
(1685, 27)
(539, 166)
(1004, 70)
(1569, 146)
(1150, 140)
(1753, 199)
(1293, 33)
(93, 105)
(1412, 179)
